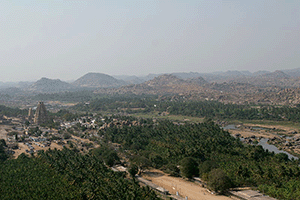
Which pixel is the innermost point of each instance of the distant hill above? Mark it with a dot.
(98, 80)
(46, 85)
(275, 75)
(198, 80)
(292, 72)
(11, 91)
(187, 75)
(260, 73)
(130, 79)
(165, 80)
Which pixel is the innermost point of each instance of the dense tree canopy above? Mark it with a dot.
(189, 167)
(65, 175)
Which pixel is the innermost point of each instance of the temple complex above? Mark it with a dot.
(40, 116)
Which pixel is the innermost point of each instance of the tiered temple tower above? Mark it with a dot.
(40, 116)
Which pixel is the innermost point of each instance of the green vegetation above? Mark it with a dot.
(79, 96)
(65, 175)
(211, 148)
(149, 106)
(29, 178)
(217, 110)
(12, 112)
(133, 170)
(3, 155)
(107, 154)
(189, 167)
(219, 181)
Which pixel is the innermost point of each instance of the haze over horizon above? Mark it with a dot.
(67, 39)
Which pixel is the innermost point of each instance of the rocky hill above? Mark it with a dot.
(199, 81)
(45, 85)
(98, 80)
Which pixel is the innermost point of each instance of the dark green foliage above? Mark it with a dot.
(3, 143)
(141, 161)
(111, 158)
(12, 112)
(157, 161)
(66, 115)
(189, 167)
(133, 170)
(171, 169)
(289, 190)
(28, 178)
(65, 175)
(27, 123)
(218, 181)
(282, 157)
(67, 136)
(3, 155)
(107, 154)
(206, 167)
(214, 109)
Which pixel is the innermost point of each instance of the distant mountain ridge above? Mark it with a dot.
(263, 87)
(91, 81)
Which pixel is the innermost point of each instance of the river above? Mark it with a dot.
(272, 148)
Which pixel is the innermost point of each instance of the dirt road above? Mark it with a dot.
(185, 188)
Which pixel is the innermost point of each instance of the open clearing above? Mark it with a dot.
(185, 188)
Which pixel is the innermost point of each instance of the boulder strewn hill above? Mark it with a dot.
(98, 80)
(46, 85)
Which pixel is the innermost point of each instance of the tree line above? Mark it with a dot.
(208, 109)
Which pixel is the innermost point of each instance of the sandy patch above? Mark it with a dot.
(185, 188)
(23, 147)
(248, 133)
(3, 132)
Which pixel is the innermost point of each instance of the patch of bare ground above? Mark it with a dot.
(185, 188)
(249, 133)
(279, 127)
(3, 132)
(23, 147)
(270, 133)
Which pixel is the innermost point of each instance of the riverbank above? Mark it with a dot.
(286, 138)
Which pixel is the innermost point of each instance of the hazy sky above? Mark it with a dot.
(67, 39)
